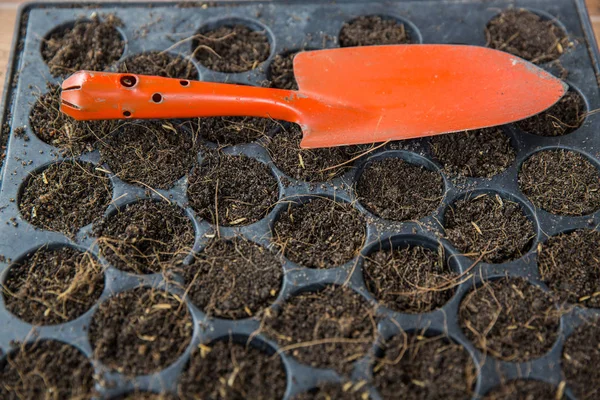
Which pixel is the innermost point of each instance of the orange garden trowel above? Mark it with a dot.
(345, 96)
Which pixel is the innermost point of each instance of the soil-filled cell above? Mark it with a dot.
(580, 360)
(373, 30)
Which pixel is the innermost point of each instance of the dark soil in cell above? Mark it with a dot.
(65, 197)
(561, 119)
(422, 367)
(331, 328)
(411, 279)
(91, 44)
(60, 130)
(480, 153)
(232, 371)
(148, 396)
(34, 371)
(233, 279)
(373, 30)
(580, 360)
(150, 154)
(281, 71)
(145, 237)
(568, 264)
(489, 228)
(230, 131)
(159, 64)
(321, 233)
(527, 35)
(231, 48)
(524, 389)
(331, 391)
(141, 331)
(510, 319)
(394, 189)
(561, 182)
(232, 190)
(53, 286)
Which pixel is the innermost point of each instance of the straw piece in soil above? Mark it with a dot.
(150, 153)
(489, 227)
(321, 233)
(312, 165)
(527, 35)
(232, 190)
(281, 71)
(159, 64)
(231, 48)
(148, 396)
(337, 391)
(580, 360)
(564, 117)
(330, 328)
(410, 279)
(568, 264)
(373, 30)
(421, 367)
(38, 370)
(525, 389)
(396, 190)
(561, 182)
(141, 331)
(233, 279)
(481, 153)
(59, 130)
(91, 45)
(145, 237)
(231, 131)
(65, 197)
(227, 370)
(510, 319)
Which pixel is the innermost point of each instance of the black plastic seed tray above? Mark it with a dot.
(289, 26)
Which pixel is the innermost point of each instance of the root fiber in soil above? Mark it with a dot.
(35, 370)
(140, 331)
(150, 153)
(561, 182)
(564, 117)
(231, 48)
(231, 190)
(568, 264)
(53, 286)
(91, 45)
(373, 30)
(335, 391)
(526, 35)
(489, 228)
(410, 279)
(330, 328)
(281, 71)
(525, 389)
(421, 367)
(232, 371)
(145, 237)
(65, 197)
(233, 279)
(480, 153)
(231, 131)
(159, 64)
(580, 360)
(396, 190)
(321, 233)
(510, 319)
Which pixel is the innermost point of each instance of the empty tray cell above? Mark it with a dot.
(564, 117)
(526, 389)
(65, 197)
(422, 366)
(510, 319)
(230, 131)
(140, 331)
(339, 391)
(480, 153)
(370, 30)
(233, 369)
(145, 237)
(580, 360)
(489, 228)
(561, 182)
(231, 190)
(53, 285)
(159, 64)
(233, 278)
(320, 233)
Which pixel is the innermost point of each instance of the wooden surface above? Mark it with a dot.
(8, 13)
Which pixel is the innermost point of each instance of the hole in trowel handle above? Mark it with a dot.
(157, 97)
(128, 80)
